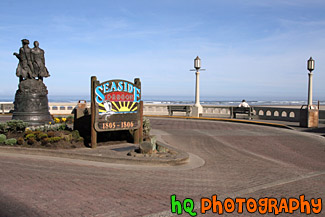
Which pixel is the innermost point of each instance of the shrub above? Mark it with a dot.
(30, 136)
(54, 139)
(63, 127)
(70, 119)
(21, 126)
(3, 127)
(16, 125)
(44, 141)
(20, 141)
(12, 125)
(40, 136)
(2, 138)
(75, 134)
(28, 131)
(67, 138)
(31, 140)
(51, 134)
(11, 141)
(36, 133)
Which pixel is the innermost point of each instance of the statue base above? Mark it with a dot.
(31, 103)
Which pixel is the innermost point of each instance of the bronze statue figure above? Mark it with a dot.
(31, 62)
(38, 61)
(25, 67)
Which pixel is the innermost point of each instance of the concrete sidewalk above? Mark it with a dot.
(232, 160)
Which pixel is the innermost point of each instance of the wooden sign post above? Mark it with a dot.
(116, 105)
(93, 113)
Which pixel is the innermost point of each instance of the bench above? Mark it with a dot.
(242, 110)
(178, 108)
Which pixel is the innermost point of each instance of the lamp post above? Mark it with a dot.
(309, 116)
(310, 67)
(197, 108)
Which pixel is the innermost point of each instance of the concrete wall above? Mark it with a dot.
(289, 113)
(274, 113)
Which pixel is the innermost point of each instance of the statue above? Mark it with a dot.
(31, 102)
(31, 62)
(38, 60)
(25, 67)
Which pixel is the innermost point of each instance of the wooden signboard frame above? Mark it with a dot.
(116, 105)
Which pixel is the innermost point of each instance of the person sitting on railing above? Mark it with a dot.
(243, 104)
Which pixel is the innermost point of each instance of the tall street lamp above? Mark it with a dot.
(309, 116)
(197, 108)
(310, 67)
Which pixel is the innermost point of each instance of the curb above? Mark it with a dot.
(180, 157)
(224, 119)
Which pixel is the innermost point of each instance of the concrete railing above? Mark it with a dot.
(54, 108)
(62, 108)
(6, 107)
(217, 111)
(260, 112)
(277, 113)
(156, 109)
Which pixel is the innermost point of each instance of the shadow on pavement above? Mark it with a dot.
(320, 130)
(10, 207)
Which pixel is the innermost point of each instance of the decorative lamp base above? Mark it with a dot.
(197, 111)
(309, 116)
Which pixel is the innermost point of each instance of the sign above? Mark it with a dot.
(117, 105)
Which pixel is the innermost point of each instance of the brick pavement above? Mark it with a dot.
(240, 160)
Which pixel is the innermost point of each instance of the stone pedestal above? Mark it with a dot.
(31, 103)
(309, 116)
(197, 111)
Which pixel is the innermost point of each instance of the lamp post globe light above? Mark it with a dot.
(310, 67)
(197, 108)
(197, 63)
(310, 64)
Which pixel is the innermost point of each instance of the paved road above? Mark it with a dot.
(227, 159)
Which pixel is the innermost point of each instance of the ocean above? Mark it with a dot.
(189, 100)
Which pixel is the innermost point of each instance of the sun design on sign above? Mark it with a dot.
(120, 107)
(124, 106)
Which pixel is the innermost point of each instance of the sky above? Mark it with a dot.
(252, 49)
